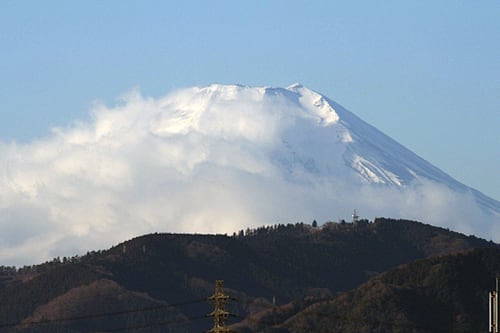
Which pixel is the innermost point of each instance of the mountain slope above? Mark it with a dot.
(376, 158)
(285, 262)
(442, 294)
(408, 167)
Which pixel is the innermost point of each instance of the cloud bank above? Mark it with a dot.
(195, 161)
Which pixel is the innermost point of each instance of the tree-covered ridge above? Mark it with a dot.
(281, 262)
(441, 294)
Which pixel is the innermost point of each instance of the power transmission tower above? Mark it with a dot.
(219, 314)
(493, 309)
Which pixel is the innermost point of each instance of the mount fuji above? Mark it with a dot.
(310, 135)
(217, 159)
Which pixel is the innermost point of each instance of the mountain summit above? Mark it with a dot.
(217, 159)
(307, 133)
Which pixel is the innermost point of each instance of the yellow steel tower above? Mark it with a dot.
(219, 314)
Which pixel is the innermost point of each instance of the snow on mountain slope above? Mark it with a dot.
(216, 159)
(309, 134)
(378, 159)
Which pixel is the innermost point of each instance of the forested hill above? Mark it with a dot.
(440, 294)
(173, 273)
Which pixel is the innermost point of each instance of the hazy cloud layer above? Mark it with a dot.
(189, 162)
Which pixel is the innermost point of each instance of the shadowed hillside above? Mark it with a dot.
(161, 280)
(443, 294)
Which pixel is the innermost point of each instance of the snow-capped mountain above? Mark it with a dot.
(216, 159)
(315, 136)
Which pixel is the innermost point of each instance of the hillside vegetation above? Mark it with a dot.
(162, 280)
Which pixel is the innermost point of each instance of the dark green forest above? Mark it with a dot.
(384, 275)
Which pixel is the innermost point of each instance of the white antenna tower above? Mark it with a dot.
(493, 310)
(355, 217)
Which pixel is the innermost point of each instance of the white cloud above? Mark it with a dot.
(194, 161)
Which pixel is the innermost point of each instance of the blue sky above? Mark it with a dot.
(427, 73)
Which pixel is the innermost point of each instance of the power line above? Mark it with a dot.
(140, 327)
(101, 315)
(373, 321)
(342, 318)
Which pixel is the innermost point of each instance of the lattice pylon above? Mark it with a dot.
(219, 314)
